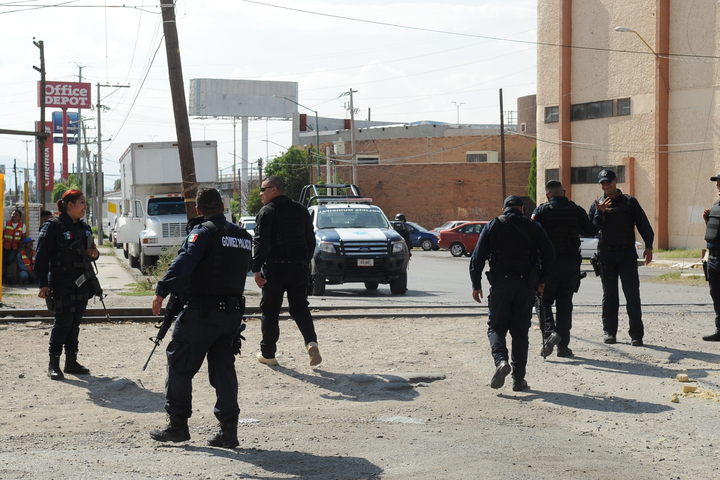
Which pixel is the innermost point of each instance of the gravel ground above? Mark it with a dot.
(395, 398)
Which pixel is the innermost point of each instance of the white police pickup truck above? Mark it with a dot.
(355, 242)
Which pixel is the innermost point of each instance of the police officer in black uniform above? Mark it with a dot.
(209, 277)
(712, 237)
(64, 282)
(399, 226)
(283, 247)
(616, 215)
(520, 256)
(564, 222)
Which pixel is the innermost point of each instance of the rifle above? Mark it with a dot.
(91, 274)
(173, 308)
(542, 319)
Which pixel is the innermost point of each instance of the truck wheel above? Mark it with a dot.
(457, 249)
(426, 244)
(125, 250)
(318, 289)
(371, 285)
(146, 262)
(134, 262)
(399, 285)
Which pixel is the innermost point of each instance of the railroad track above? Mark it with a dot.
(144, 314)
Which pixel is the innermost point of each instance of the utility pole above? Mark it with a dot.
(352, 137)
(99, 189)
(78, 163)
(502, 145)
(17, 196)
(182, 123)
(41, 138)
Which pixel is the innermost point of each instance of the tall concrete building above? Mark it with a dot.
(632, 86)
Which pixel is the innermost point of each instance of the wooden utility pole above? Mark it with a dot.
(502, 144)
(41, 138)
(182, 122)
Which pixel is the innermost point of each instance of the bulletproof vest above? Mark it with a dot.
(289, 223)
(619, 226)
(712, 231)
(68, 255)
(560, 222)
(223, 269)
(514, 251)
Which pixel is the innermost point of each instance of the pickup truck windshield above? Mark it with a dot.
(166, 206)
(351, 218)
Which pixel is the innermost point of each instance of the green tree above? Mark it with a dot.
(254, 203)
(73, 182)
(293, 168)
(532, 177)
(117, 185)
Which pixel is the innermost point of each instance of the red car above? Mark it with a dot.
(461, 240)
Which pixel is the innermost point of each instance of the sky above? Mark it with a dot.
(408, 61)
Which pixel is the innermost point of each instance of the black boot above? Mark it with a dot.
(176, 431)
(54, 368)
(227, 436)
(72, 365)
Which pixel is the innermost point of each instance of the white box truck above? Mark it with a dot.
(153, 218)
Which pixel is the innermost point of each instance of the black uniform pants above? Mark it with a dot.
(559, 289)
(66, 328)
(199, 333)
(713, 267)
(622, 264)
(510, 305)
(293, 279)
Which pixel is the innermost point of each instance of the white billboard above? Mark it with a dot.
(242, 98)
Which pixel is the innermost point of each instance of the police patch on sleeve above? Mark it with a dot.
(192, 237)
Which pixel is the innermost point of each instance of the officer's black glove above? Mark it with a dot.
(237, 341)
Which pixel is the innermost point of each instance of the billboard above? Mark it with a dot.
(65, 94)
(242, 98)
(72, 127)
(47, 158)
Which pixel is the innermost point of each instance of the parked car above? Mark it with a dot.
(248, 223)
(450, 225)
(422, 237)
(462, 239)
(113, 233)
(588, 247)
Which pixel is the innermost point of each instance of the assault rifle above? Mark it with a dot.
(91, 274)
(173, 308)
(542, 319)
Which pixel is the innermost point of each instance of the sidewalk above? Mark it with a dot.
(112, 274)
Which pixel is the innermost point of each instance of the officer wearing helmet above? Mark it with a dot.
(399, 225)
(712, 237)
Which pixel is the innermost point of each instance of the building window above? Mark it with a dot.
(552, 114)
(523, 128)
(623, 106)
(481, 157)
(368, 159)
(580, 175)
(590, 110)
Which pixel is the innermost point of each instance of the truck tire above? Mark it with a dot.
(426, 244)
(134, 262)
(372, 285)
(399, 285)
(125, 250)
(146, 261)
(318, 288)
(457, 249)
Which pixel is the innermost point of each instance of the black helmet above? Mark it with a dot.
(400, 217)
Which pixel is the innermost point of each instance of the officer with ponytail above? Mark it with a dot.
(64, 282)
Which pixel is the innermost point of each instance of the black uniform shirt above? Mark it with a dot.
(584, 226)
(635, 211)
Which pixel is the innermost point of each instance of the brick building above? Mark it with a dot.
(431, 172)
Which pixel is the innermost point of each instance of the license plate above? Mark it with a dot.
(163, 249)
(365, 262)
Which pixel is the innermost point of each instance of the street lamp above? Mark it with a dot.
(630, 30)
(458, 110)
(317, 130)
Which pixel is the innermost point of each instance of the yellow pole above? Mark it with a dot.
(2, 215)
(27, 211)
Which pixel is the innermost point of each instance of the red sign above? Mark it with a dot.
(65, 94)
(48, 158)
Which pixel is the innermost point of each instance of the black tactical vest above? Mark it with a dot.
(68, 256)
(560, 222)
(618, 230)
(712, 231)
(515, 251)
(223, 269)
(289, 223)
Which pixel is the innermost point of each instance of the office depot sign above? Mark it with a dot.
(65, 95)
